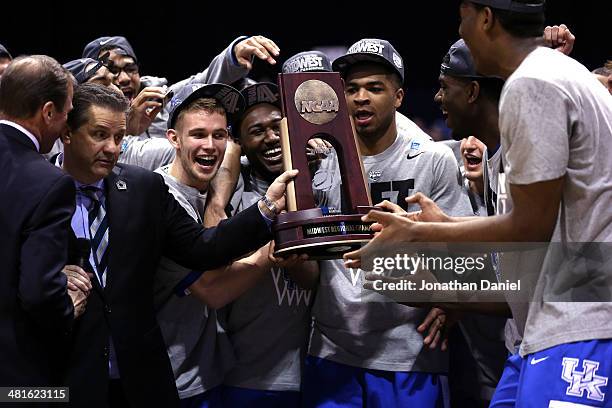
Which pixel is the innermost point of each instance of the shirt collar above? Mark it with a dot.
(23, 130)
(98, 184)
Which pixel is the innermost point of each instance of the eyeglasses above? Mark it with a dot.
(130, 69)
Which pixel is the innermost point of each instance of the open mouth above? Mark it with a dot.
(273, 155)
(472, 161)
(206, 161)
(363, 117)
(127, 92)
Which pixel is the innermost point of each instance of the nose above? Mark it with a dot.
(361, 97)
(122, 78)
(111, 147)
(438, 97)
(272, 136)
(470, 143)
(206, 143)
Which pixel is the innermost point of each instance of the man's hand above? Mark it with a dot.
(79, 287)
(258, 46)
(276, 191)
(79, 300)
(430, 212)
(144, 108)
(437, 324)
(389, 230)
(289, 262)
(317, 150)
(559, 38)
(78, 279)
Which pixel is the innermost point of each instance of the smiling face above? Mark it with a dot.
(454, 100)
(200, 137)
(472, 151)
(260, 139)
(92, 150)
(125, 74)
(372, 97)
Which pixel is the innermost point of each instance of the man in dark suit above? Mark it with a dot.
(118, 355)
(37, 203)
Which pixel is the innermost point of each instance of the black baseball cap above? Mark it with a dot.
(458, 62)
(372, 50)
(83, 69)
(308, 61)
(92, 50)
(231, 100)
(514, 6)
(4, 52)
(262, 92)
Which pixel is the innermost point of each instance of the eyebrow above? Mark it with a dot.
(369, 83)
(263, 123)
(200, 129)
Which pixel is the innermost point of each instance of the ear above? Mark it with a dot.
(399, 97)
(48, 111)
(473, 91)
(610, 83)
(173, 138)
(65, 135)
(486, 19)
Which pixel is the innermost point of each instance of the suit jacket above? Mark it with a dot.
(145, 223)
(36, 313)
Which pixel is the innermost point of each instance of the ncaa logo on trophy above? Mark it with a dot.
(313, 105)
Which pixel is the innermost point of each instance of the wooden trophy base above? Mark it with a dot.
(320, 237)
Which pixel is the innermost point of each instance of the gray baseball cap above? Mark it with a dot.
(229, 97)
(372, 50)
(514, 6)
(308, 61)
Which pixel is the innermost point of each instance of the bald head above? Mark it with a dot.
(29, 83)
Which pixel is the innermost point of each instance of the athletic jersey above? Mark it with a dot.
(268, 325)
(198, 347)
(363, 328)
(556, 121)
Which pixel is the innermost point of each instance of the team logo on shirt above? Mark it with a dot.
(287, 290)
(585, 380)
(374, 175)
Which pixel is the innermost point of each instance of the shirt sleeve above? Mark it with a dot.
(535, 122)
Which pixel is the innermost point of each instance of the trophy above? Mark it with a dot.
(313, 105)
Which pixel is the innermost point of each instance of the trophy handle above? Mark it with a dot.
(363, 173)
(287, 164)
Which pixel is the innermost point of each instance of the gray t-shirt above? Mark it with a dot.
(196, 341)
(362, 328)
(268, 325)
(556, 120)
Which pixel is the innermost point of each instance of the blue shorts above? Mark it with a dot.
(326, 383)
(505, 393)
(573, 375)
(208, 399)
(246, 398)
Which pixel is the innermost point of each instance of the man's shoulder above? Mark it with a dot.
(130, 174)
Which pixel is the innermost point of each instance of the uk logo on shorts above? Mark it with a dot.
(585, 380)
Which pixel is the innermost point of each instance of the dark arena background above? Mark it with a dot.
(179, 38)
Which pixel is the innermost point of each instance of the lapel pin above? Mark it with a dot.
(121, 185)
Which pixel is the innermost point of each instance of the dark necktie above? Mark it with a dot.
(98, 228)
